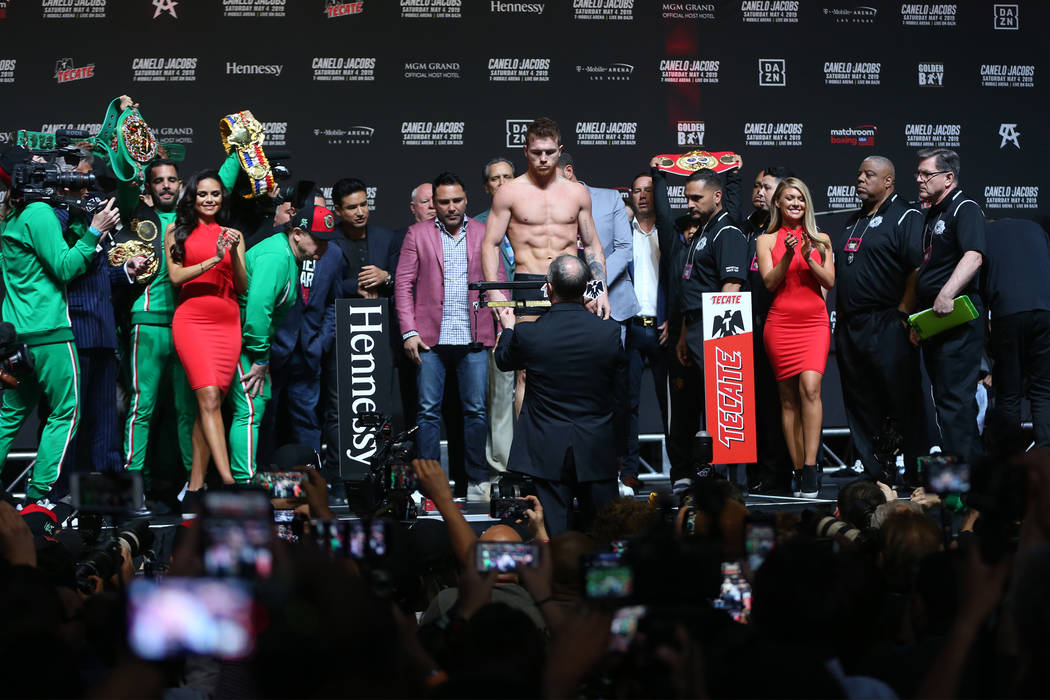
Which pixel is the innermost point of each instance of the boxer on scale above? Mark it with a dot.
(541, 214)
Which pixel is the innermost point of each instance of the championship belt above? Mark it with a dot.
(689, 163)
(120, 253)
(126, 142)
(244, 134)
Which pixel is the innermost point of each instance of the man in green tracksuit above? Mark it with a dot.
(273, 279)
(37, 263)
(151, 351)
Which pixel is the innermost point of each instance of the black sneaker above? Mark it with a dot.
(809, 481)
(796, 483)
(191, 502)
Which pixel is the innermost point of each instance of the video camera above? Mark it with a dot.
(387, 490)
(14, 356)
(44, 181)
(106, 559)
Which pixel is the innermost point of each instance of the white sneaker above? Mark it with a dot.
(478, 491)
(625, 490)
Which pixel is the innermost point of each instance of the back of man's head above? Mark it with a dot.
(857, 502)
(568, 277)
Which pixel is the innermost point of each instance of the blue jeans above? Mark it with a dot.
(471, 370)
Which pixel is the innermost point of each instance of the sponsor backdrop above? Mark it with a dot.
(394, 91)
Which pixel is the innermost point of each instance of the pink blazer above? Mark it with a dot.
(419, 285)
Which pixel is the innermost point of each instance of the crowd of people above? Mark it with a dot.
(869, 598)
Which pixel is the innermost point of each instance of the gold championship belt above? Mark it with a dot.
(243, 133)
(120, 253)
(689, 163)
(145, 230)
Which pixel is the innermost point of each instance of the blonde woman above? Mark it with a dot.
(797, 265)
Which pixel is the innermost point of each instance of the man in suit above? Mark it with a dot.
(441, 332)
(297, 350)
(573, 362)
(369, 255)
(614, 231)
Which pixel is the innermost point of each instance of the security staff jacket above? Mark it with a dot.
(717, 253)
(951, 228)
(876, 255)
(1014, 273)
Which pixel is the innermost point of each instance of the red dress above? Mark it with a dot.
(206, 329)
(797, 332)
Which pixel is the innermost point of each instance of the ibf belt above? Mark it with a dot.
(243, 133)
(689, 163)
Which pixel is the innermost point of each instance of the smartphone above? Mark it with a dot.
(237, 534)
(110, 493)
(290, 485)
(508, 508)
(945, 473)
(606, 576)
(332, 536)
(760, 536)
(625, 626)
(174, 616)
(735, 594)
(285, 526)
(505, 556)
(377, 538)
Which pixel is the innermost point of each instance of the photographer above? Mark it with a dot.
(37, 265)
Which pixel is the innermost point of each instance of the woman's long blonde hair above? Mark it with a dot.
(809, 222)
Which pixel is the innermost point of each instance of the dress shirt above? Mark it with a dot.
(455, 314)
(646, 268)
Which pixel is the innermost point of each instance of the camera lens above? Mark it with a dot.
(76, 181)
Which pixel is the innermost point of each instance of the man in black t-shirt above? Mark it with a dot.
(953, 243)
(1015, 284)
(875, 270)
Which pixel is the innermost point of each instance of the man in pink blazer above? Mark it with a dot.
(440, 329)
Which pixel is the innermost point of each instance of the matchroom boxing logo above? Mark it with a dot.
(855, 136)
(73, 9)
(161, 70)
(67, 72)
(7, 70)
(849, 73)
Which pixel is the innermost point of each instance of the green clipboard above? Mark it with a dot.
(927, 324)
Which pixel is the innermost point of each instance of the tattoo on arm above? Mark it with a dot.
(597, 268)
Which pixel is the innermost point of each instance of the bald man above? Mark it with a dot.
(875, 270)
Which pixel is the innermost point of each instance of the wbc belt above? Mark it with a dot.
(243, 133)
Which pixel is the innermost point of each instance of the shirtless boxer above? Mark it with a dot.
(541, 213)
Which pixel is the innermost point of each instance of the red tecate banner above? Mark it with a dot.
(729, 377)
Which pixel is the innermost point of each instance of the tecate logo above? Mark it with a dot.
(66, 71)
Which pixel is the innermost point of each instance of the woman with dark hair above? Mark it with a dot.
(797, 265)
(206, 262)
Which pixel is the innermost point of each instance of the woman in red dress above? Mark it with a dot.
(796, 264)
(206, 262)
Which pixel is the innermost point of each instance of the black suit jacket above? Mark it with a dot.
(573, 362)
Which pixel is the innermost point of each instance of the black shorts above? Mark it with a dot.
(538, 294)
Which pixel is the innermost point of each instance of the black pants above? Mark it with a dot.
(879, 370)
(1020, 346)
(643, 348)
(556, 498)
(685, 389)
(773, 461)
(952, 359)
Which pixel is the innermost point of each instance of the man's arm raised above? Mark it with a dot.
(593, 253)
(495, 230)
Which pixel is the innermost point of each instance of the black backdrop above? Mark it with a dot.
(394, 91)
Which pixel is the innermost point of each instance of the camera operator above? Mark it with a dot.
(37, 265)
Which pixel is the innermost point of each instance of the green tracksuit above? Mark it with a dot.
(151, 350)
(37, 264)
(273, 281)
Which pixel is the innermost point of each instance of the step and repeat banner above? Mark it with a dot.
(395, 91)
